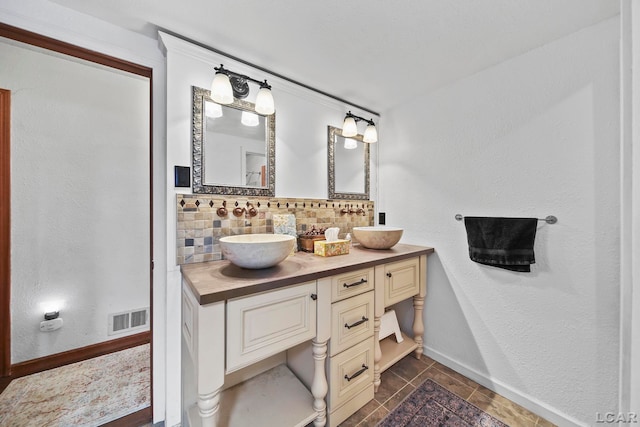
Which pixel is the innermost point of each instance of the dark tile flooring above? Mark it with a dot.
(403, 377)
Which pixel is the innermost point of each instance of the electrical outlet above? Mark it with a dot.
(50, 325)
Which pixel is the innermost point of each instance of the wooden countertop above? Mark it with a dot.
(220, 280)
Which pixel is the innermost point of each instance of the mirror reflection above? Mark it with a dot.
(348, 166)
(233, 148)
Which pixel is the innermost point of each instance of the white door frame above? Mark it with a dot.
(629, 384)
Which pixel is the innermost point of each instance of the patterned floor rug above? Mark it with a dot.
(84, 394)
(431, 405)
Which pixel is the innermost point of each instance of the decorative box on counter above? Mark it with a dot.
(336, 247)
(305, 243)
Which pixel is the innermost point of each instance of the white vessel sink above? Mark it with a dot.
(256, 251)
(377, 237)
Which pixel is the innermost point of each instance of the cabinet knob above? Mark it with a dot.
(314, 297)
(389, 274)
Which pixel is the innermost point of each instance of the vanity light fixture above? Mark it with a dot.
(350, 128)
(350, 143)
(227, 84)
(213, 110)
(249, 119)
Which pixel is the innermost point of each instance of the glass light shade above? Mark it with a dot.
(221, 91)
(349, 127)
(213, 110)
(264, 102)
(249, 119)
(370, 134)
(350, 144)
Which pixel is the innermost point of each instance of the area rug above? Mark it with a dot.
(83, 394)
(432, 405)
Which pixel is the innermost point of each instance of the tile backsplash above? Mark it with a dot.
(200, 225)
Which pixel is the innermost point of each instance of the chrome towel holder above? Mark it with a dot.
(550, 219)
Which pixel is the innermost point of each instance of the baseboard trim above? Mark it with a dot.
(140, 418)
(78, 354)
(534, 405)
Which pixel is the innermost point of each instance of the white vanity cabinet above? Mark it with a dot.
(254, 330)
(395, 282)
(351, 348)
(268, 323)
(297, 344)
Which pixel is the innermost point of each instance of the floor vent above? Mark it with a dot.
(128, 321)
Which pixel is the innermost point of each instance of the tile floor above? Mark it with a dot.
(83, 394)
(403, 377)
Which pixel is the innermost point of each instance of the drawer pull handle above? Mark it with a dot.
(389, 274)
(355, 283)
(359, 322)
(349, 378)
(314, 297)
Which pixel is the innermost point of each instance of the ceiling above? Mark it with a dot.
(373, 53)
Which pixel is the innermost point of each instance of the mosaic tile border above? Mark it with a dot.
(200, 224)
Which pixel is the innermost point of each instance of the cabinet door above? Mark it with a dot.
(351, 322)
(262, 325)
(402, 280)
(351, 284)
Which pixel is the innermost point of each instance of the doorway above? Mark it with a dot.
(76, 217)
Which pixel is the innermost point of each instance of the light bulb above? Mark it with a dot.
(349, 127)
(350, 144)
(221, 91)
(213, 110)
(370, 134)
(249, 119)
(264, 102)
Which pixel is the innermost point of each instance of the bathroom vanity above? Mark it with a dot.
(295, 343)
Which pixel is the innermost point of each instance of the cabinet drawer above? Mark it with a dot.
(261, 325)
(402, 280)
(350, 284)
(351, 322)
(350, 372)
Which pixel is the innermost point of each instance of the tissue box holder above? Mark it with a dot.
(337, 247)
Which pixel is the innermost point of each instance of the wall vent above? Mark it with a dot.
(128, 321)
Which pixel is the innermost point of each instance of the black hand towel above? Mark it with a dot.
(502, 242)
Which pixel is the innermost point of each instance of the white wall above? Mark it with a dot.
(536, 135)
(79, 135)
(49, 19)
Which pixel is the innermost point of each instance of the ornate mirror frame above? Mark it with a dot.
(333, 133)
(200, 96)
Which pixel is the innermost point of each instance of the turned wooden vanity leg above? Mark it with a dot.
(208, 406)
(319, 386)
(210, 361)
(418, 309)
(418, 325)
(377, 353)
(378, 312)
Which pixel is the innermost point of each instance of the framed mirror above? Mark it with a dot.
(348, 166)
(233, 148)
